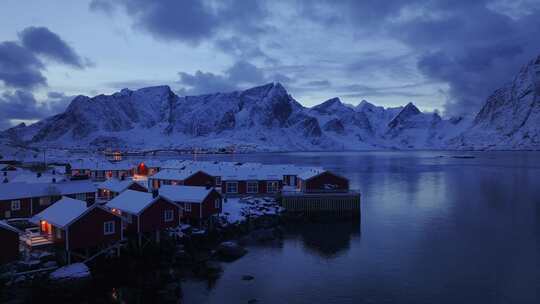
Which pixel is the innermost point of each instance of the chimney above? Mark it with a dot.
(123, 177)
(5, 181)
(54, 180)
(39, 174)
(5, 173)
(54, 172)
(155, 193)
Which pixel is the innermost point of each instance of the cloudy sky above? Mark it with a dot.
(446, 55)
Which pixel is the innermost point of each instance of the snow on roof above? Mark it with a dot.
(5, 225)
(131, 201)
(189, 194)
(310, 173)
(62, 213)
(31, 177)
(116, 185)
(174, 174)
(18, 190)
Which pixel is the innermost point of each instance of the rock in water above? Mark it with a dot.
(230, 251)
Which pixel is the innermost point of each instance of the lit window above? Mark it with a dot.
(217, 203)
(252, 187)
(187, 206)
(169, 214)
(108, 227)
(15, 205)
(232, 187)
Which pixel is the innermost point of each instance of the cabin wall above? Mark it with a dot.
(88, 231)
(318, 183)
(10, 246)
(137, 187)
(194, 214)
(153, 217)
(199, 179)
(208, 204)
(25, 208)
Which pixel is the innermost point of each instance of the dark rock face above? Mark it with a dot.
(406, 113)
(334, 125)
(311, 127)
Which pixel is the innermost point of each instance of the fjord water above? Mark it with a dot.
(435, 228)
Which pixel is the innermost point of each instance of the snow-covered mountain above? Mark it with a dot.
(267, 118)
(510, 118)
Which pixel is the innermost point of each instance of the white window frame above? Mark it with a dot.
(274, 190)
(218, 180)
(109, 227)
(168, 215)
(231, 183)
(80, 196)
(15, 205)
(248, 183)
(187, 207)
(217, 203)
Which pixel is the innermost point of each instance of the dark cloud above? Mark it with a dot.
(42, 41)
(239, 76)
(192, 21)
(22, 105)
(19, 67)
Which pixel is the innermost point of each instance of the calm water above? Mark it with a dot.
(434, 229)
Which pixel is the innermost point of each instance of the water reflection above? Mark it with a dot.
(325, 239)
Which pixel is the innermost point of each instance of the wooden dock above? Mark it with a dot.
(336, 203)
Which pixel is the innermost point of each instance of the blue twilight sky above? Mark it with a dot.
(440, 54)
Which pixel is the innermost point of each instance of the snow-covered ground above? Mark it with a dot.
(72, 271)
(237, 210)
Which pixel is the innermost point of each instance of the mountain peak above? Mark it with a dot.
(332, 103)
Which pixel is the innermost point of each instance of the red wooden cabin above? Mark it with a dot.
(70, 224)
(144, 213)
(322, 181)
(198, 203)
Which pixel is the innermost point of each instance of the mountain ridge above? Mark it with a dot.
(268, 118)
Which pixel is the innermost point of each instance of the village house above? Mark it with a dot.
(113, 187)
(147, 168)
(71, 225)
(322, 181)
(180, 177)
(197, 203)
(233, 178)
(99, 170)
(9, 238)
(23, 200)
(145, 213)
